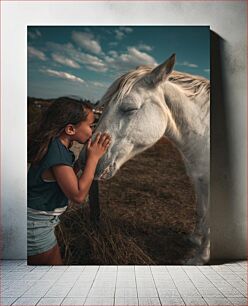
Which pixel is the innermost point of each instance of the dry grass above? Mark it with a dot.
(85, 243)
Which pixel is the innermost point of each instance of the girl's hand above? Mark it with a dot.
(99, 146)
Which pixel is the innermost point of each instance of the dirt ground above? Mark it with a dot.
(147, 212)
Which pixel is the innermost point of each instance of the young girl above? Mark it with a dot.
(52, 179)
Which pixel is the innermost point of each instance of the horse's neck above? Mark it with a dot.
(188, 129)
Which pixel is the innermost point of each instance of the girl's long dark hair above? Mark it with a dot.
(63, 111)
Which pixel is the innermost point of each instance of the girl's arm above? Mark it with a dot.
(76, 166)
(76, 189)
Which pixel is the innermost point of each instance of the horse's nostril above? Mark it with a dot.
(108, 172)
(112, 167)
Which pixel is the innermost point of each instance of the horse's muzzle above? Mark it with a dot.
(107, 173)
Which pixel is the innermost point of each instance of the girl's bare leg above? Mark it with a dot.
(50, 257)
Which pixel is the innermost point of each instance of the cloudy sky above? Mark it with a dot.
(84, 61)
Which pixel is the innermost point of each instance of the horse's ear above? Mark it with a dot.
(162, 71)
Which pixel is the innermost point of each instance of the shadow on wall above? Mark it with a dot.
(222, 206)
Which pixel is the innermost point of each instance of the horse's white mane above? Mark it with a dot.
(191, 85)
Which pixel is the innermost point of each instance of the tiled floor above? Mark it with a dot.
(123, 285)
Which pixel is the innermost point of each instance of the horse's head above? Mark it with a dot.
(134, 115)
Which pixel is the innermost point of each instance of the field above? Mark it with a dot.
(147, 212)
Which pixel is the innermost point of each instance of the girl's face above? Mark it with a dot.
(83, 130)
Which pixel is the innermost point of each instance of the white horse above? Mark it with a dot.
(146, 104)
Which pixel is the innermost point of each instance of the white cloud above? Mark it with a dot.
(126, 29)
(32, 52)
(65, 61)
(34, 34)
(62, 75)
(109, 59)
(144, 47)
(114, 61)
(136, 57)
(61, 48)
(122, 31)
(86, 41)
(128, 60)
(38, 33)
(113, 53)
(92, 62)
(187, 64)
(119, 34)
(98, 84)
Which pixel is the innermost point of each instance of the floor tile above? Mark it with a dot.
(7, 300)
(91, 269)
(108, 269)
(73, 301)
(38, 290)
(41, 268)
(143, 269)
(210, 292)
(157, 268)
(149, 301)
(125, 269)
(126, 301)
(102, 292)
(15, 275)
(166, 301)
(26, 301)
(58, 291)
(106, 275)
(189, 293)
(126, 273)
(85, 280)
(13, 292)
(99, 301)
(75, 268)
(239, 301)
(102, 283)
(126, 292)
(162, 276)
(199, 301)
(79, 291)
(125, 283)
(144, 283)
(230, 292)
(23, 269)
(50, 301)
(147, 292)
(70, 275)
(164, 292)
(217, 301)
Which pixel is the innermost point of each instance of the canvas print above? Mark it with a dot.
(118, 145)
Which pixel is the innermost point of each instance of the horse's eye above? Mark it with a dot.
(129, 110)
(129, 105)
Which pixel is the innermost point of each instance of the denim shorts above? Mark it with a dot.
(40, 233)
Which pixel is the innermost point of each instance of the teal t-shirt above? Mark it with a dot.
(43, 195)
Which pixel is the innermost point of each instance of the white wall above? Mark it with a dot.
(228, 180)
